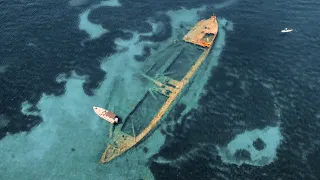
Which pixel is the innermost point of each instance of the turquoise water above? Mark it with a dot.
(58, 59)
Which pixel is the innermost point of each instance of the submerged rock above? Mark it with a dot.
(242, 154)
(259, 144)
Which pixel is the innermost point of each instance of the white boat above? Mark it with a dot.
(286, 30)
(106, 115)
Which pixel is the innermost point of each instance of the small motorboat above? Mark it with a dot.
(286, 30)
(106, 115)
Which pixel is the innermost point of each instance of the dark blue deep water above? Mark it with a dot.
(265, 70)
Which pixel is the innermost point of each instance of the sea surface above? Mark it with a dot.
(253, 111)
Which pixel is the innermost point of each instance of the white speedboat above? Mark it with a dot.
(106, 115)
(286, 30)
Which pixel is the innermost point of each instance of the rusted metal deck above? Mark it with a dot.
(202, 34)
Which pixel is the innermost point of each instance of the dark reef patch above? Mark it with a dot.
(242, 154)
(259, 144)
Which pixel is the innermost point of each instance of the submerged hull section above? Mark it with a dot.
(203, 34)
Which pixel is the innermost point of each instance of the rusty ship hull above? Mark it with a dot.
(202, 34)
